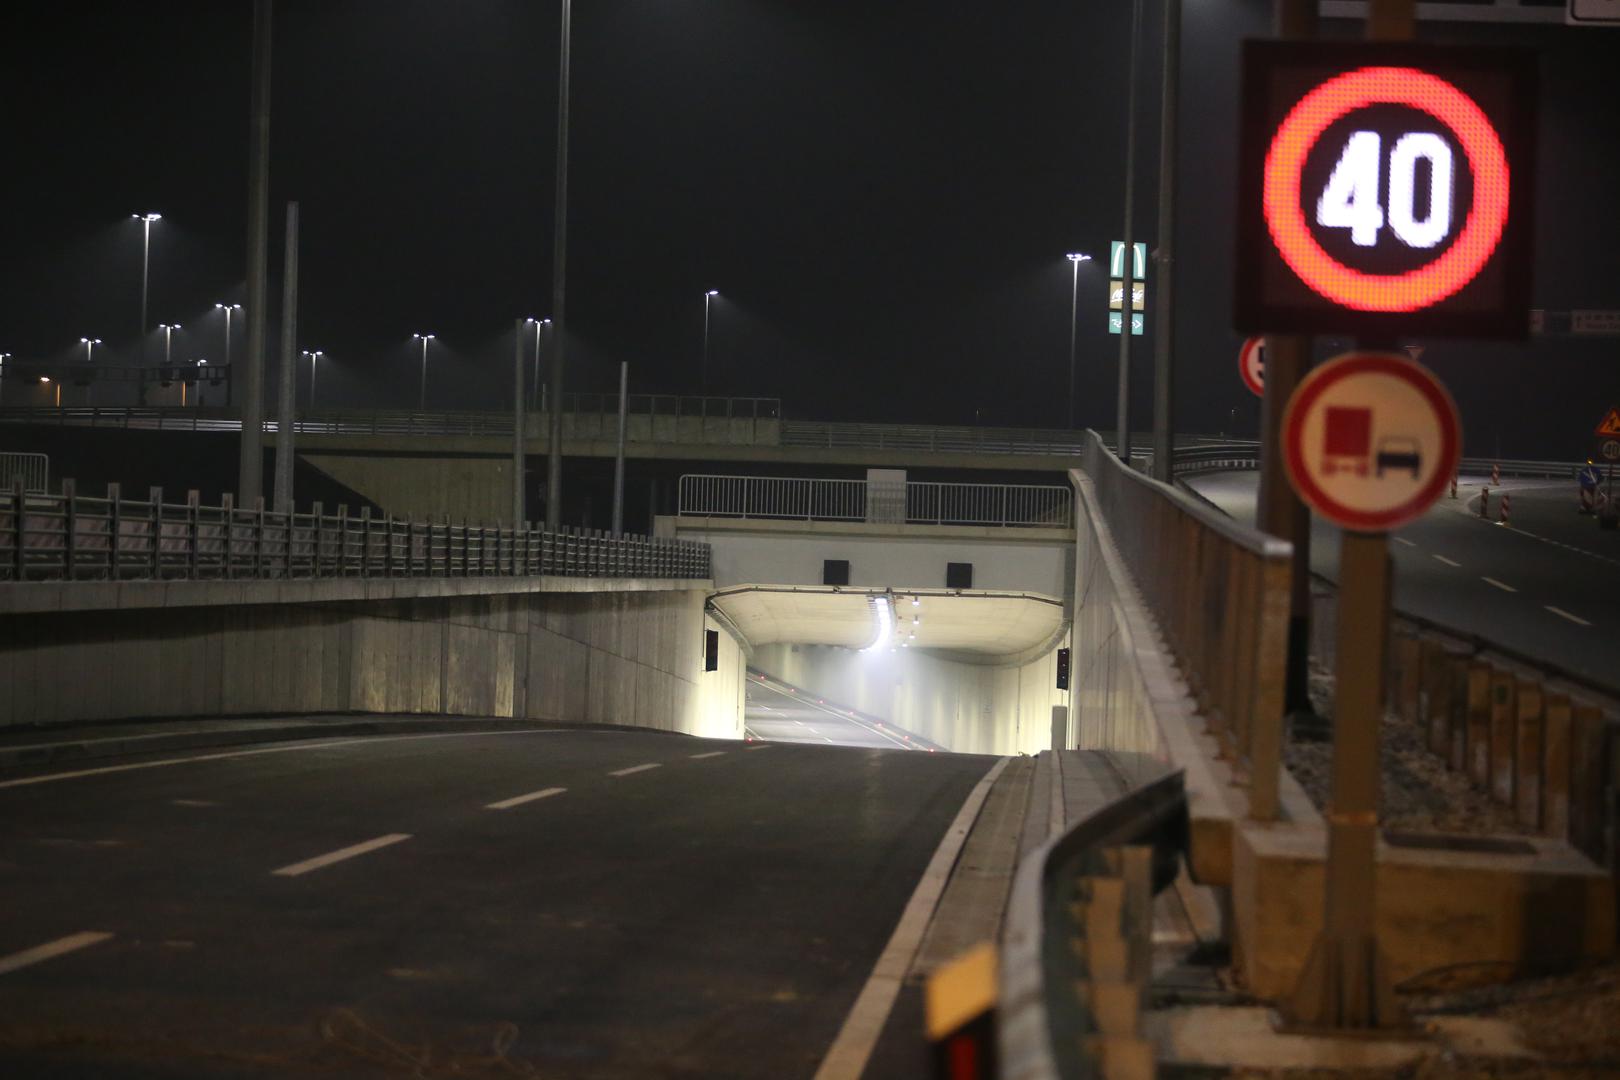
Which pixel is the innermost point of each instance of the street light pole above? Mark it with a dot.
(1164, 357)
(4, 356)
(1122, 427)
(168, 341)
(89, 358)
(559, 271)
(146, 265)
(313, 355)
(250, 466)
(703, 375)
(1074, 314)
(227, 309)
(421, 398)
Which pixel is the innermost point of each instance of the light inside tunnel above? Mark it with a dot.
(883, 613)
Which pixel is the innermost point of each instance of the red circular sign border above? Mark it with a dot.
(1358, 363)
(1259, 341)
(1438, 279)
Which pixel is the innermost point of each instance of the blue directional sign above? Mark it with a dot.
(1136, 323)
(1116, 260)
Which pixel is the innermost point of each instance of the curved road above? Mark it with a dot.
(558, 903)
(1547, 586)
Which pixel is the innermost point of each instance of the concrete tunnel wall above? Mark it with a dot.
(969, 708)
(585, 653)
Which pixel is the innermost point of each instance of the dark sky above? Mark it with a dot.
(882, 192)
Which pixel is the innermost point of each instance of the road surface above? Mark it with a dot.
(781, 715)
(1548, 586)
(558, 903)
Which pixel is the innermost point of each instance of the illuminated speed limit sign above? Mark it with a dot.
(1385, 189)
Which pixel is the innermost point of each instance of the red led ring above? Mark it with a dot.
(1427, 284)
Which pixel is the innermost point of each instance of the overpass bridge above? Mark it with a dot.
(652, 861)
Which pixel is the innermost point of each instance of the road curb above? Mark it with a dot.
(65, 751)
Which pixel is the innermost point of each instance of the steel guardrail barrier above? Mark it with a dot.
(1073, 937)
(69, 536)
(34, 470)
(1187, 461)
(897, 502)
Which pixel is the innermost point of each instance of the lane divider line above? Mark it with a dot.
(1448, 562)
(760, 746)
(519, 800)
(852, 1049)
(1562, 614)
(339, 855)
(1404, 540)
(636, 768)
(1499, 584)
(51, 950)
(711, 753)
(318, 744)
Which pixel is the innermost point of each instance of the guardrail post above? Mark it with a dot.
(115, 530)
(193, 531)
(228, 511)
(157, 532)
(19, 517)
(258, 537)
(388, 550)
(70, 527)
(343, 540)
(318, 533)
(365, 541)
(290, 526)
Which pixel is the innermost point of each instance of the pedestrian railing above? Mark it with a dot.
(915, 437)
(897, 502)
(1219, 592)
(33, 470)
(75, 537)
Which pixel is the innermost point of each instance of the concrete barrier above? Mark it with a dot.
(596, 651)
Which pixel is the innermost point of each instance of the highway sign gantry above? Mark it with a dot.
(1252, 365)
(1384, 189)
(1371, 440)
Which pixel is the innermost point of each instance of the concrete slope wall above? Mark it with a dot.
(967, 708)
(474, 489)
(594, 652)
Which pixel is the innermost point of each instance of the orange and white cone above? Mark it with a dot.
(1506, 515)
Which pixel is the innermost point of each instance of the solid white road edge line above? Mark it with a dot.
(711, 753)
(850, 1051)
(51, 949)
(1404, 540)
(339, 855)
(519, 800)
(1499, 584)
(635, 769)
(325, 744)
(1447, 561)
(1562, 614)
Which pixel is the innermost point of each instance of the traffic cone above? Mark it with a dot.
(1506, 515)
(1496, 476)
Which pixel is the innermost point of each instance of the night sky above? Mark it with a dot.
(883, 193)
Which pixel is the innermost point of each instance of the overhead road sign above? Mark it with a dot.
(1371, 440)
(1606, 323)
(1609, 426)
(1252, 365)
(1137, 323)
(1116, 259)
(1384, 189)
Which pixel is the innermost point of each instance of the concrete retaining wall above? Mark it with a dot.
(596, 652)
(967, 708)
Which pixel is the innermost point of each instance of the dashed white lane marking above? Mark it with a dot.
(850, 1052)
(1404, 540)
(711, 753)
(635, 769)
(761, 746)
(193, 802)
(323, 744)
(519, 800)
(1448, 562)
(1499, 584)
(1562, 614)
(339, 855)
(51, 950)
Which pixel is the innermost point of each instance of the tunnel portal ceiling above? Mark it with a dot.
(984, 623)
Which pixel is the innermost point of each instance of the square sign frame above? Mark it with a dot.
(1493, 301)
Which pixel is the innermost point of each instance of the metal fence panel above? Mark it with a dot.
(912, 503)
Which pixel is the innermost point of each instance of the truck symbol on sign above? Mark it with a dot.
(1347, 440)
(1398, 453)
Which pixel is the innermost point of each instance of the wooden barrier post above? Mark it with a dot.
(1478, 737)
(1555, 767)
(1408, 677)
(156, 495)
(193, 530)
(19, 523)
(1434, 706)
(70, 527)
(228, 509)
(115, 531)
(1457, 716)
(319, 539)
(1503, 685)
(1528, 754)
(1586, 810)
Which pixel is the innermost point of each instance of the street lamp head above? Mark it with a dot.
(44, 378)
(712, 292)
(147, 217)
(1075, 257)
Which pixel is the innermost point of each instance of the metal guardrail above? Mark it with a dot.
(968, 440)
(1219, 592)
(75, 537)
(1065, 945)
(34, 470)
(1187, 461)
(907, 502)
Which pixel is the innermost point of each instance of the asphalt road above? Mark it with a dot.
(552, 903)
(1548, 586)
(783, 716)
